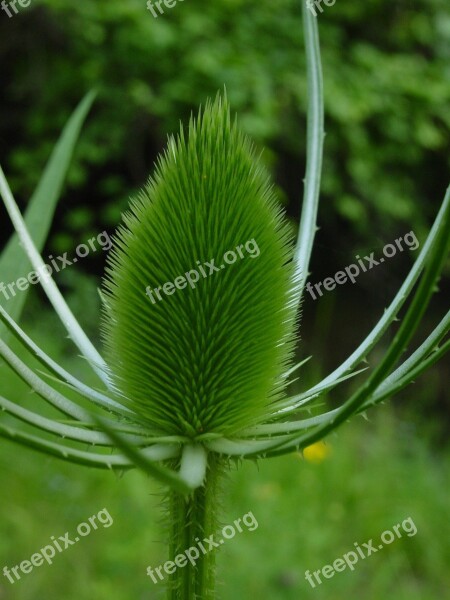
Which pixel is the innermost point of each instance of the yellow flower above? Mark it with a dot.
(317, 452)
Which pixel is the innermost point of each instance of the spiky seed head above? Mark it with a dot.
(199, 320)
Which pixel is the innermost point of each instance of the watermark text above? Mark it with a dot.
(48, 552)
(349, 559)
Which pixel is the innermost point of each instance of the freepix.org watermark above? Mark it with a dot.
(11, 9)
(204, 546)
(206, 270)
(47, 553)
(9, 290)
(151, 6)
(316, 5)
(352, 271)
(349, 559)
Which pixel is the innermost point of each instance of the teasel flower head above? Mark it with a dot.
(199, 320)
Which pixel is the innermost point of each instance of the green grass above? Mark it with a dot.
(376, 474)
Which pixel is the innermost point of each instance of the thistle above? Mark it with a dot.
(197, 361)
(203, 359)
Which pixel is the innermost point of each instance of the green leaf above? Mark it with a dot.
(88, 459)
(61, 375)
(314, 141)
(14, 262)
(389, 314)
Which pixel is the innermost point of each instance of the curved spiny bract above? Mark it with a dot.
(205, 355)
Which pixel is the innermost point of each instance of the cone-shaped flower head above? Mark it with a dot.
(199, 320)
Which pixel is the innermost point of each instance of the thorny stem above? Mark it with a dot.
(191, 520)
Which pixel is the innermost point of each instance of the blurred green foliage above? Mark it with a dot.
(387, 83)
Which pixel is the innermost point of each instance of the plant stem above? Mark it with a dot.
(192, 519)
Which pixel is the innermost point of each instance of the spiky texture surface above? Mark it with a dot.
(209, 358)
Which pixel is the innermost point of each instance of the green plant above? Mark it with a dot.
(193, 423)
